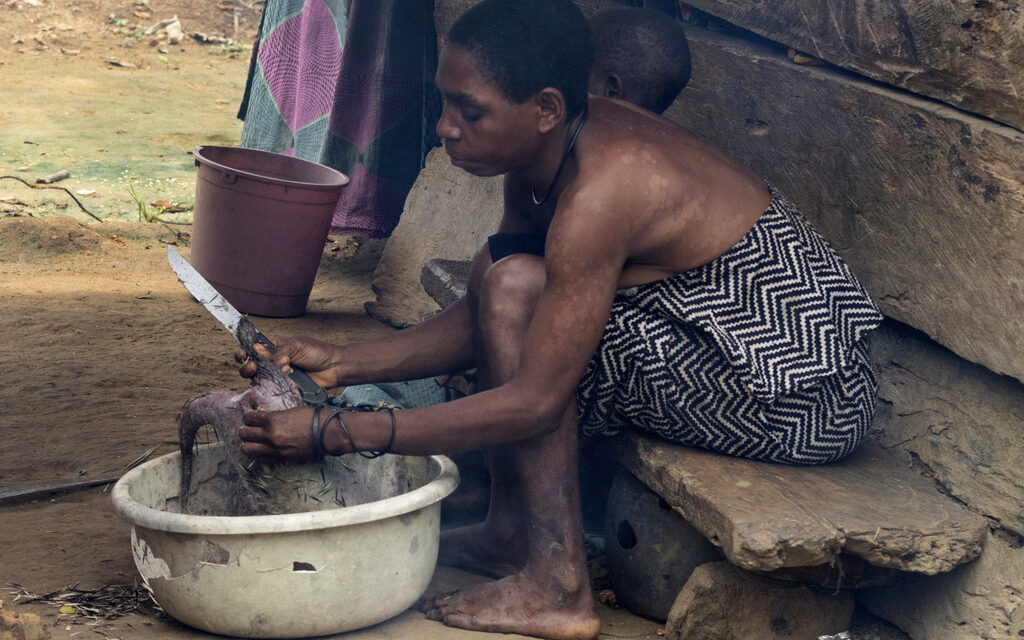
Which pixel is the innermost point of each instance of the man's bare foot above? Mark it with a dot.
(520, 604)
(478, 549)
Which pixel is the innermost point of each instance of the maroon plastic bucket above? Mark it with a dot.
(260, 223)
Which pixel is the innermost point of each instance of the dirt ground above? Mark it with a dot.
(87, 91)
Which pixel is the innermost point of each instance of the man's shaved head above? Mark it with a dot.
(526, 45)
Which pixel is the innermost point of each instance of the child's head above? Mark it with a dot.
(640, 55)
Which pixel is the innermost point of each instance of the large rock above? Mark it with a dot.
(448, 214)
(22, 626)
(767, 516)
(982, 600)
(651, 550)
(967, 54)
(721, 602)
(965, 423)
(446, 12)
(925, 202)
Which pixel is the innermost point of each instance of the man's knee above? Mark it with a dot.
(511, 286)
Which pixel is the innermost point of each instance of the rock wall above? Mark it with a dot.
(959, 420)
(981, 600)
(963, 426)
(964, 53)
(925, 202)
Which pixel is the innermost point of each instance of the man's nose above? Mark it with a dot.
(446, 129)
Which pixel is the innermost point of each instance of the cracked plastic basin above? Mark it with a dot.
(319, 570)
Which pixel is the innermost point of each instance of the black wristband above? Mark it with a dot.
(316, 436)
(323, 430)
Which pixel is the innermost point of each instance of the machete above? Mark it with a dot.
(220, 308)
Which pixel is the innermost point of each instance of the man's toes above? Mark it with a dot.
(461, 621)
(426, 603)
(439, 608)
(434, 614)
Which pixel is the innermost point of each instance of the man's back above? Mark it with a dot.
(675, 201)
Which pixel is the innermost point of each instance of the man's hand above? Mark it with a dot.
(278, 434)
(314, 357)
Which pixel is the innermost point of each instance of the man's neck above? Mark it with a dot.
(555, 156)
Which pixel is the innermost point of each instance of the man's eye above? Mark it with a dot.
(471, 115)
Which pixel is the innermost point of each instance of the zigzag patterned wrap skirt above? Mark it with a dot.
(759, 354)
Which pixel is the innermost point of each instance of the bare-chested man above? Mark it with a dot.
(639, 279)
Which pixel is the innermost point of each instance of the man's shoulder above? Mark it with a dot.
(622, 140)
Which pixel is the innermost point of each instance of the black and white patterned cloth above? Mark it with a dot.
(759, 353)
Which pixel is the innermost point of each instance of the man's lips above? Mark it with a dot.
(452, 155)
(456, 160)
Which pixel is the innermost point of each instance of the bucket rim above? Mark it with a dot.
(443, 483)
(340, 178)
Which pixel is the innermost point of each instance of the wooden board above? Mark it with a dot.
(768, 516)
(38, 489)
(966, 54)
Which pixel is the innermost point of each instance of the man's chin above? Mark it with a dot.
(473, 168)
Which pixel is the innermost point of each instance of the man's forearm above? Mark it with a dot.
(441, 344)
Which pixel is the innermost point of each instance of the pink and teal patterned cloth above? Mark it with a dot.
(348, 84)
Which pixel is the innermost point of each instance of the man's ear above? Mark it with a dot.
(612, 87)
(550, 109)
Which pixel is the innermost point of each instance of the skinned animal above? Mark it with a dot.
(270, 389)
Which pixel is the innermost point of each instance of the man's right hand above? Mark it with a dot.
(314, 357)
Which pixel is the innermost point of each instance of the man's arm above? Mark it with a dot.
(586, 249)
(584, 257)
(441, 344)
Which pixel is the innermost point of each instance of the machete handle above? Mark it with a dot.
(312, 393)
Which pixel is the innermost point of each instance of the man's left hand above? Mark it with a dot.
(278, 434)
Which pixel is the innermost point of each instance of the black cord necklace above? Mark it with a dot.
(558, 172)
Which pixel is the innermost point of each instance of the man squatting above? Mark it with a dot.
(639, 279)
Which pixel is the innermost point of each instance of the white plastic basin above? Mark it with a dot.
(308, 573)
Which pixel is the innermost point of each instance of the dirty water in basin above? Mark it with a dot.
(285, 488)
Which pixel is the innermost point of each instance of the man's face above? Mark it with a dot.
(483, 133)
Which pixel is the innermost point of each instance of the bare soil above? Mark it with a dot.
(101, 344)
(87, 91)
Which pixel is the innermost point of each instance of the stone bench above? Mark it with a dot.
(853, 523)
(869, 508)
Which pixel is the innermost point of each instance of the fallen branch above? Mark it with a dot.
(33, 186)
